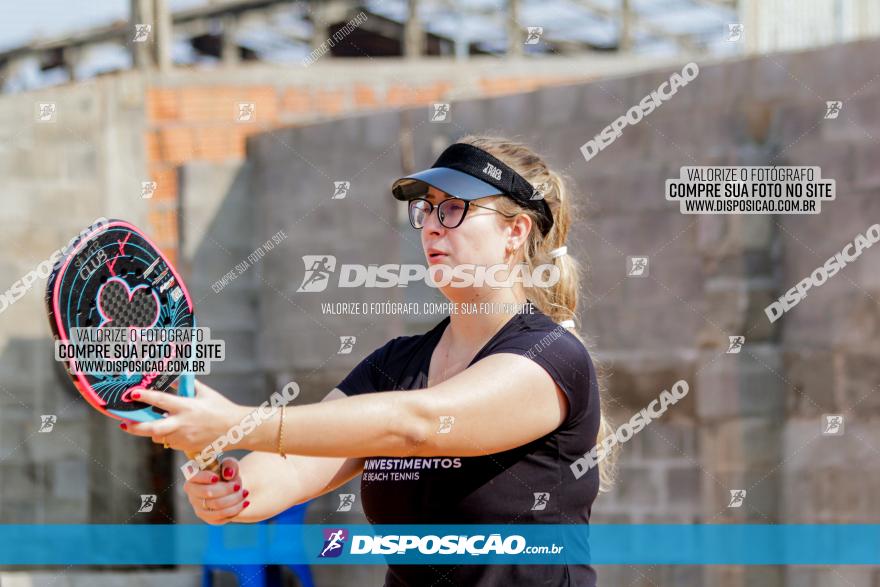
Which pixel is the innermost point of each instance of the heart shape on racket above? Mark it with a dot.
(119, 304)
(114, 276)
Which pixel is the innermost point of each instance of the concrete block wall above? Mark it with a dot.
(59, 177)
(831, 341)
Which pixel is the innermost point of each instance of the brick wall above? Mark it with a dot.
(197, 123)
(191, 114)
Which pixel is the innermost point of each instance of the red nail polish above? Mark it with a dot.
(247, 503)
(124, 426)
(227, 472)
(136, 395)
(246, 493)
(214, 479)
(236, 487)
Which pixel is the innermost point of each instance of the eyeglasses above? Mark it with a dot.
(451, 211)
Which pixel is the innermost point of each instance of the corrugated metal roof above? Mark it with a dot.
(478, 23)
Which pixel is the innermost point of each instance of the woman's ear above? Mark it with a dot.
(520, 226)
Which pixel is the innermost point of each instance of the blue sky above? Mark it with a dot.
(23, 21)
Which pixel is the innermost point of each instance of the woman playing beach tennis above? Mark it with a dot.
(477, 421)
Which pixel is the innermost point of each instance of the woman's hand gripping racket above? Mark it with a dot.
(114, 276)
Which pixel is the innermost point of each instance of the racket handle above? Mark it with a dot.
(187, 389)
(214, 467)
(187, 385)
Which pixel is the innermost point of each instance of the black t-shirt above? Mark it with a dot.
(499, 488)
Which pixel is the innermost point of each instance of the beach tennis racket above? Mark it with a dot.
(114, 276)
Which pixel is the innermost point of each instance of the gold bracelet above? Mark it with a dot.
(281, 434)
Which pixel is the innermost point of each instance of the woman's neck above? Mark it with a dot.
(485, 316)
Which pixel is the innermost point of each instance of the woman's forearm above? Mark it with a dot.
(272, 484)
(275, 484)
(384, 423)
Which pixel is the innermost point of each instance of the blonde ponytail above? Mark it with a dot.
(559, 301)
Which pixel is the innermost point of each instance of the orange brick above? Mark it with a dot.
(506, 85)
(170, 253)
(296, 100)
(330, 101)
(567, 79)
(405, 95)
(243, 131)
(420, 96)
(219, 143)
(364, 96)
(162, 104)
(494, 86)
(246, 130)
(399, 95)
(209, 104)
(239, 148)
(266, 100)
(163, 226)
(439, 91)
(166, 182)
(177, 144)
(151, 146)
(433, 93)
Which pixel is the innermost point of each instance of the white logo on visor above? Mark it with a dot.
(492, 171)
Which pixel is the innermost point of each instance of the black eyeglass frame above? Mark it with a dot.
(431, 206)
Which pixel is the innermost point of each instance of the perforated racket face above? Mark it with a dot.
(116, 277)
